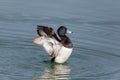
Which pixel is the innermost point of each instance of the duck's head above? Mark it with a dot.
(62, 30)
(45, 31)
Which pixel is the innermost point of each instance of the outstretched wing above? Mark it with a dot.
(47, 40)
(50, 45)
(45, 31)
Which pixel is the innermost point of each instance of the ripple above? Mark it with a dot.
(96, 40)
(56, 71)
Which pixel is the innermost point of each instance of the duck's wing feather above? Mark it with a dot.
(45, 31)
(51, 45)
(48, 46)
(43, 41)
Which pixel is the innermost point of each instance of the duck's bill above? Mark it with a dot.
(68, 31)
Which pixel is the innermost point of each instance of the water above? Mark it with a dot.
(96, 39)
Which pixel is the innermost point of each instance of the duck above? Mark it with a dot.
(59, 48)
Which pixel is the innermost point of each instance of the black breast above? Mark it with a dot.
(66, 42)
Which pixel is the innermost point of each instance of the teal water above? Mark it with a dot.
(96, 38)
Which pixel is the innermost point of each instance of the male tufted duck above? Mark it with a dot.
(59, 49)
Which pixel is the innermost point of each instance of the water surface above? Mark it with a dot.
(96, 27)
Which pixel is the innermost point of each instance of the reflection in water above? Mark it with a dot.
(56, 72)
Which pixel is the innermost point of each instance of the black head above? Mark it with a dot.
(62, 30)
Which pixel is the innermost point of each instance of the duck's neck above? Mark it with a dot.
(56, 37)
(66, 41)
